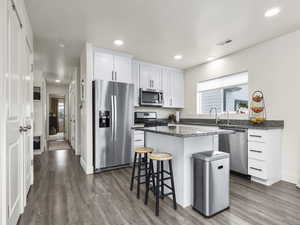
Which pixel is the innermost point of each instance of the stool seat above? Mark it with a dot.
(143, 150)
(161, 156)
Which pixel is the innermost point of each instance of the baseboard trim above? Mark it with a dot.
(291, 178)
(87, 170)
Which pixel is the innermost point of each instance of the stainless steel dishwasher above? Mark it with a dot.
(237, 145)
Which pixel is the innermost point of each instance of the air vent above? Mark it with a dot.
(228, 41)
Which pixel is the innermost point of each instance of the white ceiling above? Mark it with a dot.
(152, 30)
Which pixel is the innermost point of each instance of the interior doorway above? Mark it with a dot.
(56, 118)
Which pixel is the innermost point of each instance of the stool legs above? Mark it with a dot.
(139, 176)
(157, 195)
(158, 183)
(172, 185)
(133, 171)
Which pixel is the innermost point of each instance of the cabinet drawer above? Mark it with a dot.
(257, 168)
(256, 150)
(257, 135)
(139, 137)
(138, 144)
(138, 132)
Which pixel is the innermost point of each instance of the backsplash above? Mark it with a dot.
(162, 113)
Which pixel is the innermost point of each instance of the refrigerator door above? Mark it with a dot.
(103, 104)
(124, 97)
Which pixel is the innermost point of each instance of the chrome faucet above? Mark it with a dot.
(216, 113)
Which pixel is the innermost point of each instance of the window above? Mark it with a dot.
(226, 94)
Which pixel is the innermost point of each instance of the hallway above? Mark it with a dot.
(63, 195)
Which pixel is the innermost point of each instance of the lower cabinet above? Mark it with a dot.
(138, 140)
(264, 155)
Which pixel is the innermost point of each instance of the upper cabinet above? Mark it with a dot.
(173, 88)
(150, 76)
(136, 81)
(111, 66)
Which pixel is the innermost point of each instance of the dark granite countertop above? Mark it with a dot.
(244, 124)
(185, 131)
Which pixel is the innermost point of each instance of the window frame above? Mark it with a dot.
(198, 93)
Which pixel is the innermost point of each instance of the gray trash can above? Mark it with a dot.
(211, 182)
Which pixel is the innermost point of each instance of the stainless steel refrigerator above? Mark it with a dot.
(112, 119)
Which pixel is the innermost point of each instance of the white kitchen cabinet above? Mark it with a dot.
(264, 155)
(111, 66)
(150, 76)
(173, 88)
(136, 81)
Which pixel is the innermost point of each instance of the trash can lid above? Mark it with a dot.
(210, 155)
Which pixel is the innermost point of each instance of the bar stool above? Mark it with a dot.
(160, 179)
(142, 164)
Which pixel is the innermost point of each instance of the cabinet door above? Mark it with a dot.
(150, 76)
(122, 68)
(103, 66)
(145, 76)
(167, 82)
(156, 78)
(136, 81)
(178, 90)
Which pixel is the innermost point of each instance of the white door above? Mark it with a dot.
(103, 66)
(122, 68)
(14, 138)
(27, 104)
(72, 120)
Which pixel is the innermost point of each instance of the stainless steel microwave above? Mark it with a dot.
(151, 97)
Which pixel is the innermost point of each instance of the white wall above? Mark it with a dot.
(60, 90)
(39, 123)
(274, 68)
(86, 75)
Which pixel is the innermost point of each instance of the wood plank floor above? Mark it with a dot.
(63, 195)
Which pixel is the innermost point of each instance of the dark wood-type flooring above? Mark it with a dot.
(63, 195)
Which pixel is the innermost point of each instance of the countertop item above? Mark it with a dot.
(185, 131)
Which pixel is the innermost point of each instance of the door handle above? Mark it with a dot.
(112, 116)
(22, 129)
(28, 127)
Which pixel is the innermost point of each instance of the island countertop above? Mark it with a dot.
(185, 131)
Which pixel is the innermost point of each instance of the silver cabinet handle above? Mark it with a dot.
(257, 136)
(139, 140)
(253, 168)
(255, 151)
(112, 75)
(116, 76)
(28, 127)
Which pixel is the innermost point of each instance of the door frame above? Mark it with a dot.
(49, 96)
(3, 100)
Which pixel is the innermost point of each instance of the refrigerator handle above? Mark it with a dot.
(115, 116)
(112, 116)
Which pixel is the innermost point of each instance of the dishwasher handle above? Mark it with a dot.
(234, 129)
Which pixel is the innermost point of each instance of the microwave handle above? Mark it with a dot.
(161, 97)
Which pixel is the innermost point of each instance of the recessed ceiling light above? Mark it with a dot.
(118, 42)
(272, 12)
(210, 58)
(27, 78)
(57, 81)
(61, 45)
(177, 57)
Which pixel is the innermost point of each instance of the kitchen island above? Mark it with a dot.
(182, 142)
